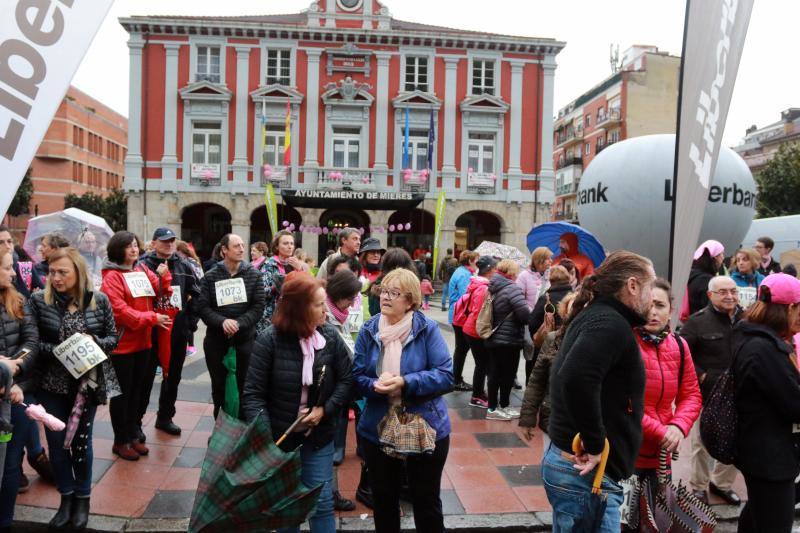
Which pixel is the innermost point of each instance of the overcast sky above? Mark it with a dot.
(766, 84)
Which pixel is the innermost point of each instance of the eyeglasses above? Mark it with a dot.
(390, 294)
(726, 292)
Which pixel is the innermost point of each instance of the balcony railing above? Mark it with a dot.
(569, 137)
(348, 179)
(278, 176)
(609, 118)
(570, 161)
(481, 183)
(415, 180)
(205, 174)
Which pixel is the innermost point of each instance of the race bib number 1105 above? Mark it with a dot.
(230, 291)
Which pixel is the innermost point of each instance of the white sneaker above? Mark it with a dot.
(511, 412)
(497, 414)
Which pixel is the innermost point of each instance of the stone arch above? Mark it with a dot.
(203, 224)
(259, 225)
(474, 227)
(420, 236)
(337, 218)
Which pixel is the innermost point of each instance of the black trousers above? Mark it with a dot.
(169, 386)
(424, 480)
(124, 409)
(215, 348)
(480, 354)
(503, 362)
(769, 507)
(460, 354)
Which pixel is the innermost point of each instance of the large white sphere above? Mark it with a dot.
(624, 199)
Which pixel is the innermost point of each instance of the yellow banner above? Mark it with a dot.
(437, 229)
(272, 208)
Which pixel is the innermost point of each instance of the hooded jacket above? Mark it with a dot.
(747, 280)
(582, 262)
(476, 294)
(510, 313)
(457, 287)
(662, 365)
(247, 314)
(134, 317)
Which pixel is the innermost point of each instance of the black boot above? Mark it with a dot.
(80, 513)
(340, 503)
(364, 491)
(61, 520)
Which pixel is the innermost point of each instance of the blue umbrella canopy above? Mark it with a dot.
(549, 234)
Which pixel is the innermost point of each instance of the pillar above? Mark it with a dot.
(515, 142)
(312, 108)
(549, 71)
(240, 165)
(449, 164)
(169, 161)
(133, 160)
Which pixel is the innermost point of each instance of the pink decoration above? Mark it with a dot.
(391, 227)
(324, 231)
(291, 227)
(365, 180)
(285, 223)
(302, 228)
(335, 175)
(38, 414)
(425, 173)
(336, 231)
(361, 230)
(470, 170)
(207, 174)
(408, 226)
(267, 170)
(493, 177)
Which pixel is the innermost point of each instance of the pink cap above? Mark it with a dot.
(783, 288)
(714, 248)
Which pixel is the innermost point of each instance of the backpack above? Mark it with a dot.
(485, 318)
(461, 311)
(718, 421)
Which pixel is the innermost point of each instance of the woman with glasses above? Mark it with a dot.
(401, 358)
(67, 306)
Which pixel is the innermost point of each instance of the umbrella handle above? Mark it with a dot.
(577, 449)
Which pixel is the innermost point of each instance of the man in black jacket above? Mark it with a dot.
(597, 387)
(708, 334)
(764, 246)
(185, 289)
(231, 303)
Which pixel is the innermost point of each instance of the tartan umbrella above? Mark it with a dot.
(248, 483)
(231, 405)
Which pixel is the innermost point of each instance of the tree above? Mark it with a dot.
(779, 183)
(112, 208)
(20, 205)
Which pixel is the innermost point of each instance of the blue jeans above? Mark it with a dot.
(12, 471)
(71, 477)
(317, 467)
(569, 492)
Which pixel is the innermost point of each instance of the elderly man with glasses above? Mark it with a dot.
(708, 333)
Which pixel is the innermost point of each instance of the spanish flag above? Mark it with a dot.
(287, 138)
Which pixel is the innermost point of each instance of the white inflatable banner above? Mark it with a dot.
(42, 43)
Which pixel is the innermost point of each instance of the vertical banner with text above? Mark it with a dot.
(713, 39)
(41, 46)
(271, 204)
(437, 229)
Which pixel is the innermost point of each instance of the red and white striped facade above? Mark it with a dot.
(202, 88)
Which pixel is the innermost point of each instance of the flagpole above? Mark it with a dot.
(677, 146)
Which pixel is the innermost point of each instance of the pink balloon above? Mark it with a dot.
(361, 230)
(391, 227)
(325, 231)
(291, 227)
(285, 223)
(408, 225)
(302, 228)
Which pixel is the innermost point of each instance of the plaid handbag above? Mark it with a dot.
(403, 434)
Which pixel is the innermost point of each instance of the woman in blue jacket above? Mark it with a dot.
(746, 273)
(401, 357)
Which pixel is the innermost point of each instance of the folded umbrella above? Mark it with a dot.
(231, 404)
(591, 517)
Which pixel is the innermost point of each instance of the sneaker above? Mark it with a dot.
(190, 351)
(517, 385)
(24, 483)
(462, 386)
(497, 414)
(511, 412)
(479, 402)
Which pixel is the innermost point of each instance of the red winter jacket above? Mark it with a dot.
(662, 364)
(476, 293)
(134, 317)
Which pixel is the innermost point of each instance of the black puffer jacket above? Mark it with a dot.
(16, 335)
(508, 298)
(247, 314)
(274, 381)
(698, 289)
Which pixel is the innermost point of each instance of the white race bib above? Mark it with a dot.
(230, 291)
(627, 494)
(79, 354)
(795, 428)
(747, 296)
(138, 284)
(175, 299)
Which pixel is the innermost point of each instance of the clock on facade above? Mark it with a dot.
(350, 5)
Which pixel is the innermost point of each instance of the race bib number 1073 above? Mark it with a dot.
(230, 291)
(79, 354)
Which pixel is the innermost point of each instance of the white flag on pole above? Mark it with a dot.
(42, 43)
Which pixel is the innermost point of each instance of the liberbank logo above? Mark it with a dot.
(733, 195)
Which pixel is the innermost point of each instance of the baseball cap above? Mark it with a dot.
(714, 249)
(783, 288)
(485, 262)
(163, 234)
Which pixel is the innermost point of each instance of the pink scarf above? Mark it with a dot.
(765, 261)
(337, 313)
(308, 346)
(392, 337)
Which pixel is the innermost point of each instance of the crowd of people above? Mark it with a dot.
(315, 348)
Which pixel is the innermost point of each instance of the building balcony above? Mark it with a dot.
(278, 176)
(612, 118)
(415, 180)
(346, 179)
(570, 161)
(481, 183)
(571, 137)
(205, 175)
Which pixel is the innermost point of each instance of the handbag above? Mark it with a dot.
(403, 434)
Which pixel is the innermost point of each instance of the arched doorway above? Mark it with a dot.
(204, 225)
(474, 227)
(335, 219)
(259, 225)
(418, 237)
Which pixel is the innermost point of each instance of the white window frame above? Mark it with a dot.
(278, 44)
(195, 43)
(282, 54)
(416, 144)
(430, 54)
(483, 56)
(348, 139)
(278, 136)
(613, 136)
(481, 145)
(415, 59)
(206, 132)
(484, 70)
(587, 149)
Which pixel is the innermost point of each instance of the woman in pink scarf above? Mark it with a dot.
(285, 380)
(401, 357)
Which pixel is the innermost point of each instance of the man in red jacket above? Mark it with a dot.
(569, 250)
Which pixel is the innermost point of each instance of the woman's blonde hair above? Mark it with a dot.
(11, 299)
(752, 255)
(509, 267)
(408, 283)
(83, 285)
(540, 255)
(559, 275)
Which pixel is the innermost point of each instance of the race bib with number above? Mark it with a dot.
(230, 291)
(79, 354)
(747, 296)
(175, 299)
(627, 494)
(795, 428)
(138, 284)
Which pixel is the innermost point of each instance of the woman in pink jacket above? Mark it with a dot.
(670, 379)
